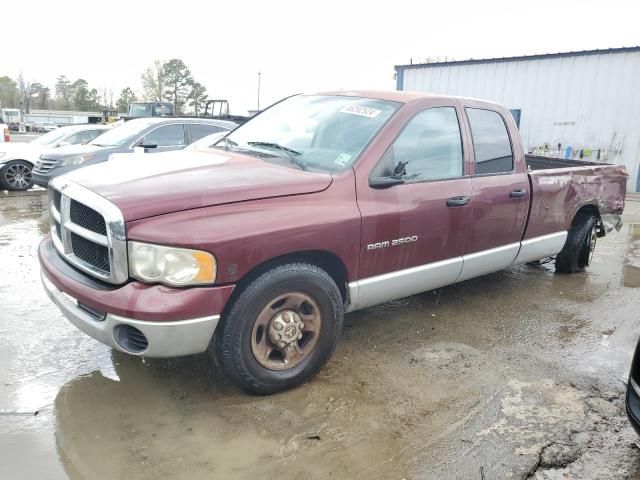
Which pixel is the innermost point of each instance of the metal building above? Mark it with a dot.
(570, 105)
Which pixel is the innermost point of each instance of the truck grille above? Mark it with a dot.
(87, 217)
(45, 166)
(88, 231)
(92, 253)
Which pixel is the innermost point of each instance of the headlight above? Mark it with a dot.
(171, 265)
(77, 159)
(2, 154)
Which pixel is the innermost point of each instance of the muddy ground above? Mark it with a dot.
(515, 375)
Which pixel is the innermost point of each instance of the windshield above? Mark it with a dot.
(312, 132)
(120, 135)
(139, 110)
(51, 137)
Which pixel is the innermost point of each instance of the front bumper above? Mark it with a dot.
(174, 321)
(164, 339)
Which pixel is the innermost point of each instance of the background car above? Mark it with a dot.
(48, 127)
(152, 134)
(17, 159)
(206, 142)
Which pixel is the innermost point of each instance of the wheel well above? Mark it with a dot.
(329, 262)
(585, 210)
(17, 160)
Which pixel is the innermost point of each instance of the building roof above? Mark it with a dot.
(543, 56)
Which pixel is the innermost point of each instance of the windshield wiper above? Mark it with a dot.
(288, 151)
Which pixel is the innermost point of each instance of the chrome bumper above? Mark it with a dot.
(611, 221)
(165, 339)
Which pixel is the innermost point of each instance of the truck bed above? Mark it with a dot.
(536, 162)
(559, 188)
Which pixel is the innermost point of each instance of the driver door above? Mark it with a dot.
(414, 234)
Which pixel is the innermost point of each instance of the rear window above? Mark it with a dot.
(491, 142)
(200, 130)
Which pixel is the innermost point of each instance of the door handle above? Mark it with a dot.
(457, 201)
(518, 193)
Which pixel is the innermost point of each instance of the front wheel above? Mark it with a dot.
(16, 176)
(577, 253)
(281, 329)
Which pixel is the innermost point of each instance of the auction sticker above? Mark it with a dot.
(360, 110)
(342, 159)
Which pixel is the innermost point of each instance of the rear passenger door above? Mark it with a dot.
(500, 193)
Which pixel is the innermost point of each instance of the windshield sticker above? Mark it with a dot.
(360, 110)
(342, 159)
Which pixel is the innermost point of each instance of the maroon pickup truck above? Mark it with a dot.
(320, 205)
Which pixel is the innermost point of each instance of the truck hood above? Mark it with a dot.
(145, 185)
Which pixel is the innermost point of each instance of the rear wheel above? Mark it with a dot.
(16, 176)
(577, 253)
(281, 329)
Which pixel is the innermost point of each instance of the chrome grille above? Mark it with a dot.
(57, 199)
(45, 166)
(88, 231)
(87, 217)
(92, 253)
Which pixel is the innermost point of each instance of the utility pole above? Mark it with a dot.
(259, 74)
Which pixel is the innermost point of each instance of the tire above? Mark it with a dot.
(273, 295)
(16, 176)
(578, 249)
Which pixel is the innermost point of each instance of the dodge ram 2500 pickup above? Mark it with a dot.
(320, 205)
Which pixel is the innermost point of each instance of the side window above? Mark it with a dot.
(166, 136)
(430, 146)
(84, 137)
(491, 142)
(72, 140)
(199, 130)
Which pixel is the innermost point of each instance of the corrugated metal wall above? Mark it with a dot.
(585, 101)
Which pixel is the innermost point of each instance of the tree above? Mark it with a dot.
(153, 82)
(127, 96)
(93, 99)
(178, 79)
(26, 93)
(80, 94)
(197, 97)
(40, 95)
(63, 93)
(9, 94)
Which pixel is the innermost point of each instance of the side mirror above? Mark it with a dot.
(64, 144)
(385, 182)
(148, 144)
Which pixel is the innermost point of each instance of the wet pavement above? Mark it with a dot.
(515, 375)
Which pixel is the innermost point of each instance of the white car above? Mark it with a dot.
(18, 159)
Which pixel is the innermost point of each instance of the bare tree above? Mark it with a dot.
(26, 93)
(63, 93)
(153, 82)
